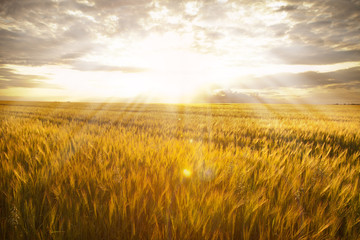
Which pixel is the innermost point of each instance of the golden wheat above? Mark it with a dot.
(116, 171)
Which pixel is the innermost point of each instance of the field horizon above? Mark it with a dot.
(77, 170)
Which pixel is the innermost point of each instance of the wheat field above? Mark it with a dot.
(179, 171)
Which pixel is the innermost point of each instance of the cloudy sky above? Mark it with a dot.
(180, 51)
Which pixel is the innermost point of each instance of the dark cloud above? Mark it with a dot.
(46, 32)
(342, 78)
(22, 48)
(330, 23)
(279, 29)
(113, 4)
(8, 78)
(78, 31)
(313, 55)
(287, 8)
(317, 32)
(230, 96)
(16, 8)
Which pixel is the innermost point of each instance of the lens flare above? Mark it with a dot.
(187, 173)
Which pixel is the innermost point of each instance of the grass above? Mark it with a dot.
(158, 171)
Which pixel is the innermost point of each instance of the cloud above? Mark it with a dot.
(16, 8)
(342, 78)
(342, 86)
(321, 32)
(237, 33)
(230, 96)
(78, 31)
(8, 79)
(22, 48)
(45, 32)
(313, 55)
(113, 4)
(91, 66)
(287, 8)
(334, 22)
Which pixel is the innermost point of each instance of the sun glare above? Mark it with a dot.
(187, 173)
(173, 72)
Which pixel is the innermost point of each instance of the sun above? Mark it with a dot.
(173, 73)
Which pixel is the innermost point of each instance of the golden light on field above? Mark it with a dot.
(123, 171)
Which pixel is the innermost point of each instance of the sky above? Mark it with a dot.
(180, 51)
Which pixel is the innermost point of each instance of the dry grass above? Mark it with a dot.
(116, 171)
